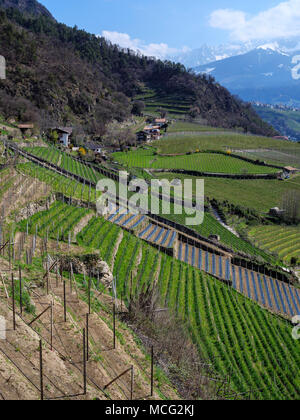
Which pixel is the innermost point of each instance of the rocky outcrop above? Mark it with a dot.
(31, 7)
(89, 264)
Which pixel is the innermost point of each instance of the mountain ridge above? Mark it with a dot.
(59, 73)
(32, 7)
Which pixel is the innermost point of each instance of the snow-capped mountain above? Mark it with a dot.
(206, 54)
(268, 74)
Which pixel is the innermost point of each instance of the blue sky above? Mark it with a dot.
(173, 25)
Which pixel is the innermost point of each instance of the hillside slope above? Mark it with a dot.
(68, 75)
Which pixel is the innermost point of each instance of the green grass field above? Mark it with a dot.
(257, 194)
(281, 240)
(202, 162)
(185, 127)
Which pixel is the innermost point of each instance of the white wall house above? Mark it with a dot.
(64, 134)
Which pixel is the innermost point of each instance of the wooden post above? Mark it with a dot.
(70, 279)
(65, 305)
(87, 337)
(89, 293)
(114, 326)
(21, 295)
(152, 371)
(47, 276)
(41, 371)
(132, 383)
(84, 363)
(51, 326)
(130, 293)
(13, 300)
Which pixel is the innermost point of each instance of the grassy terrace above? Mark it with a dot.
(173, 104)
(59, 183)
(57, 223)
(65, 161)
(222, 141)
(281, 240)
(185, 127)
(255, 193)
(202, 162)
(211, 226)
(284, 157)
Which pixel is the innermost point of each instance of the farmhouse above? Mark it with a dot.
(153, 131)
(64, 134)
(161, 122)
(290, 170)
(94, 147)
(143, 136)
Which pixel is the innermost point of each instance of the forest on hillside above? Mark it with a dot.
(62, 74)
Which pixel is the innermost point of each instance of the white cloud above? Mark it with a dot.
(153, 50)
(282, 20)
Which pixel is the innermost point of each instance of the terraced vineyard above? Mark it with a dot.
(283, 241)
(174, 104)
(60, 183)
(65, 161)
(230, 330)
(101, 235)
(201, 162)
(211, 226)
(56, 223)
(270, 293)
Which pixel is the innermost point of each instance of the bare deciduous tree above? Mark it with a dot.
(117, 136)
(291, 206)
